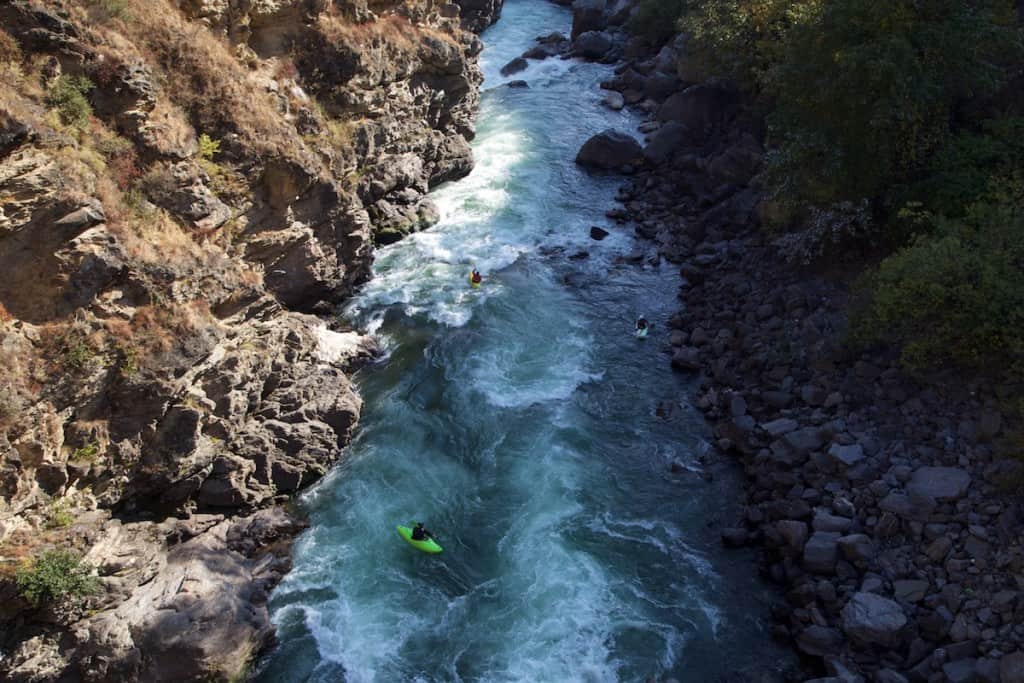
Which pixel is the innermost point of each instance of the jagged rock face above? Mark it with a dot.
(165, 226)
(479, 14)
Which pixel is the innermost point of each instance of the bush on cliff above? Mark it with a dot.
(657, 20)
(865, 91)
(54, 575)
(67, 96)
(956, 292)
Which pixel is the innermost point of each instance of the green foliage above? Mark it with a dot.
(955, 296)
(976, 166)
(657, 20)
(76, 353)
(55, 575)
(208, 147)
(743, 39)
(864, 90)
(58, 515)
(68, 96)
(86, 453)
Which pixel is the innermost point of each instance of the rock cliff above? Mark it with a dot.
(182, 185)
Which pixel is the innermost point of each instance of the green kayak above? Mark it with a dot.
(427, 546)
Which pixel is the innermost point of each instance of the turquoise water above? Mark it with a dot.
(530, 431)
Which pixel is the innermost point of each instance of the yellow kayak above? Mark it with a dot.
(474, 284)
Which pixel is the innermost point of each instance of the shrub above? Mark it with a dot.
(85, 453)
(835, 233)
(657, 20)
(58, 515)
(55, 575)
(68, 96)
(956, 295)
(208, 147)
(865, 90)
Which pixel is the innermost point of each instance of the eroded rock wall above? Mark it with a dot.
(182, 186)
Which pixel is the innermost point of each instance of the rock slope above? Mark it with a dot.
(182, 185)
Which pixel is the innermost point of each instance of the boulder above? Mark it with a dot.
(821, 552)
(819, 641)
(870, 619)
(1011, 668)
(857, 547)
(824, 521)
(592, 44)
(793, 532)
(910, 590)
(609, 150)
(597, 233)
(686, 358)
(587, 15)
(665, 143)
(845, 456)
(944, 484)
(700, 108)
(737, 165)
(515, 66)
(781, 426)
(960, 671)
(614, 101)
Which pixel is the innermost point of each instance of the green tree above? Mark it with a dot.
(864, 90)
(54, 575)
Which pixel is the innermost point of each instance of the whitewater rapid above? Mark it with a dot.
(530, 431)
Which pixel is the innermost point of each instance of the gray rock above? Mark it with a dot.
(823, 521)
(609, 150)
(686, 358)
(821, 552)
(940, 483)
(666, 143)
(870, 619)
(857, 547)
(903, 506)
(515, 66)
(587, 15)
(1012, 668)
(777, 428)
(804, 441)
(910, 590)
(593, 44)
(819, 641)
(794, 533)
(845, 456)
(614, 101)
(700, 108)
(961, 671)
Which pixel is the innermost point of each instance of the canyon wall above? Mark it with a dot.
(184, 187)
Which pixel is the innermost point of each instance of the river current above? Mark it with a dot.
(530, 431)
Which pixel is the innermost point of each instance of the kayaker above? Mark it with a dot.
(419, 532)
(641, 324)
(476, 278)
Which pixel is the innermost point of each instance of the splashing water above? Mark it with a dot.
(531, 432)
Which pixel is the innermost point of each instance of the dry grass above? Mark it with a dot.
(392, 31)
(16, 550)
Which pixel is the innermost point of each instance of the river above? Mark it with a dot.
(530, 431)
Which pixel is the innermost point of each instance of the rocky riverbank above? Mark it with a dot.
(181, 186)
(885, 505)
